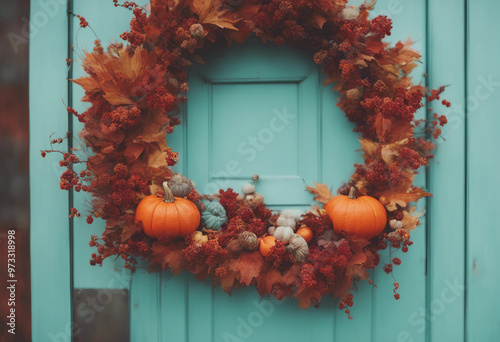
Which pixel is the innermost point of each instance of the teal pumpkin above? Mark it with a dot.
(214, 215)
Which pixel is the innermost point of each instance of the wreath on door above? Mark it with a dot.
(135, 91)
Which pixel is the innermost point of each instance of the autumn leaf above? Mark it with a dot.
(168, 256)
(292, 277)
(210, 12)
(410, 221)
(114, 74)
(307, 296)
(356, 268)
(133, 151)
(113, 228)
(382, 127)
(386, 152)
(392, 198)
(267, 279)
(318, 20)
(155, 167)
(227, 282)
(114, 222)
(321, 192)
(369, 147)
(390, 152)
(400, 57)
(248, 266)
(130, 229)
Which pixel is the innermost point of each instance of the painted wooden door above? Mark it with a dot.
(259, 109)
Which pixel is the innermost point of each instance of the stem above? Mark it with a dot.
(168, 197)
(352, 193)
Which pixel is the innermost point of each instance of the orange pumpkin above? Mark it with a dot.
(170, 215)
(364, 216)
(306, 233)
(266, 243)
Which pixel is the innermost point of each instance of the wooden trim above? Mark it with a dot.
(50, 249)
(447, 176)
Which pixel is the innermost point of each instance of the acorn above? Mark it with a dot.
(248, 240)
(234, 246)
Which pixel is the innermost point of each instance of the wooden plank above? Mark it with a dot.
(339, 152)
(145, 308)
(446, 223)
(50, 248)
(483, 161)
(391, 318)
(173, 300)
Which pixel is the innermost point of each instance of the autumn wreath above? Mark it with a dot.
(135, 91)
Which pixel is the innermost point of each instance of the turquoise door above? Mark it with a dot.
(260, 109)
(256, 109)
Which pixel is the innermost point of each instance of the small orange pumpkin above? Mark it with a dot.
(266, 243)
(364, 216)
(170, 215)
(306, 233)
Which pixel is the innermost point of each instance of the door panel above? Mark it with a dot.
(251, 123)
(282, 109)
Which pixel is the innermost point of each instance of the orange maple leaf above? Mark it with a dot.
(115, 74)
(210, 12)
(227, 282)
(392, 198)
(168, 257)
(307, 296)
(266, 280)
(247, 266)
(321, 192)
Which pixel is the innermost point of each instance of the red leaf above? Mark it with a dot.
(382, 127)
(130, 229)
(133, 151)
(266, 280)
(307, 296)
(292, 277)
(168, 256)
(227, 282)
(247, 266)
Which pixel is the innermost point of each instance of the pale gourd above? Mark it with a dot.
(283, 234)
(180, 186)
(297, 246)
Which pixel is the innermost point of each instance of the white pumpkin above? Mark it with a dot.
(283, 234)
(288, 218)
